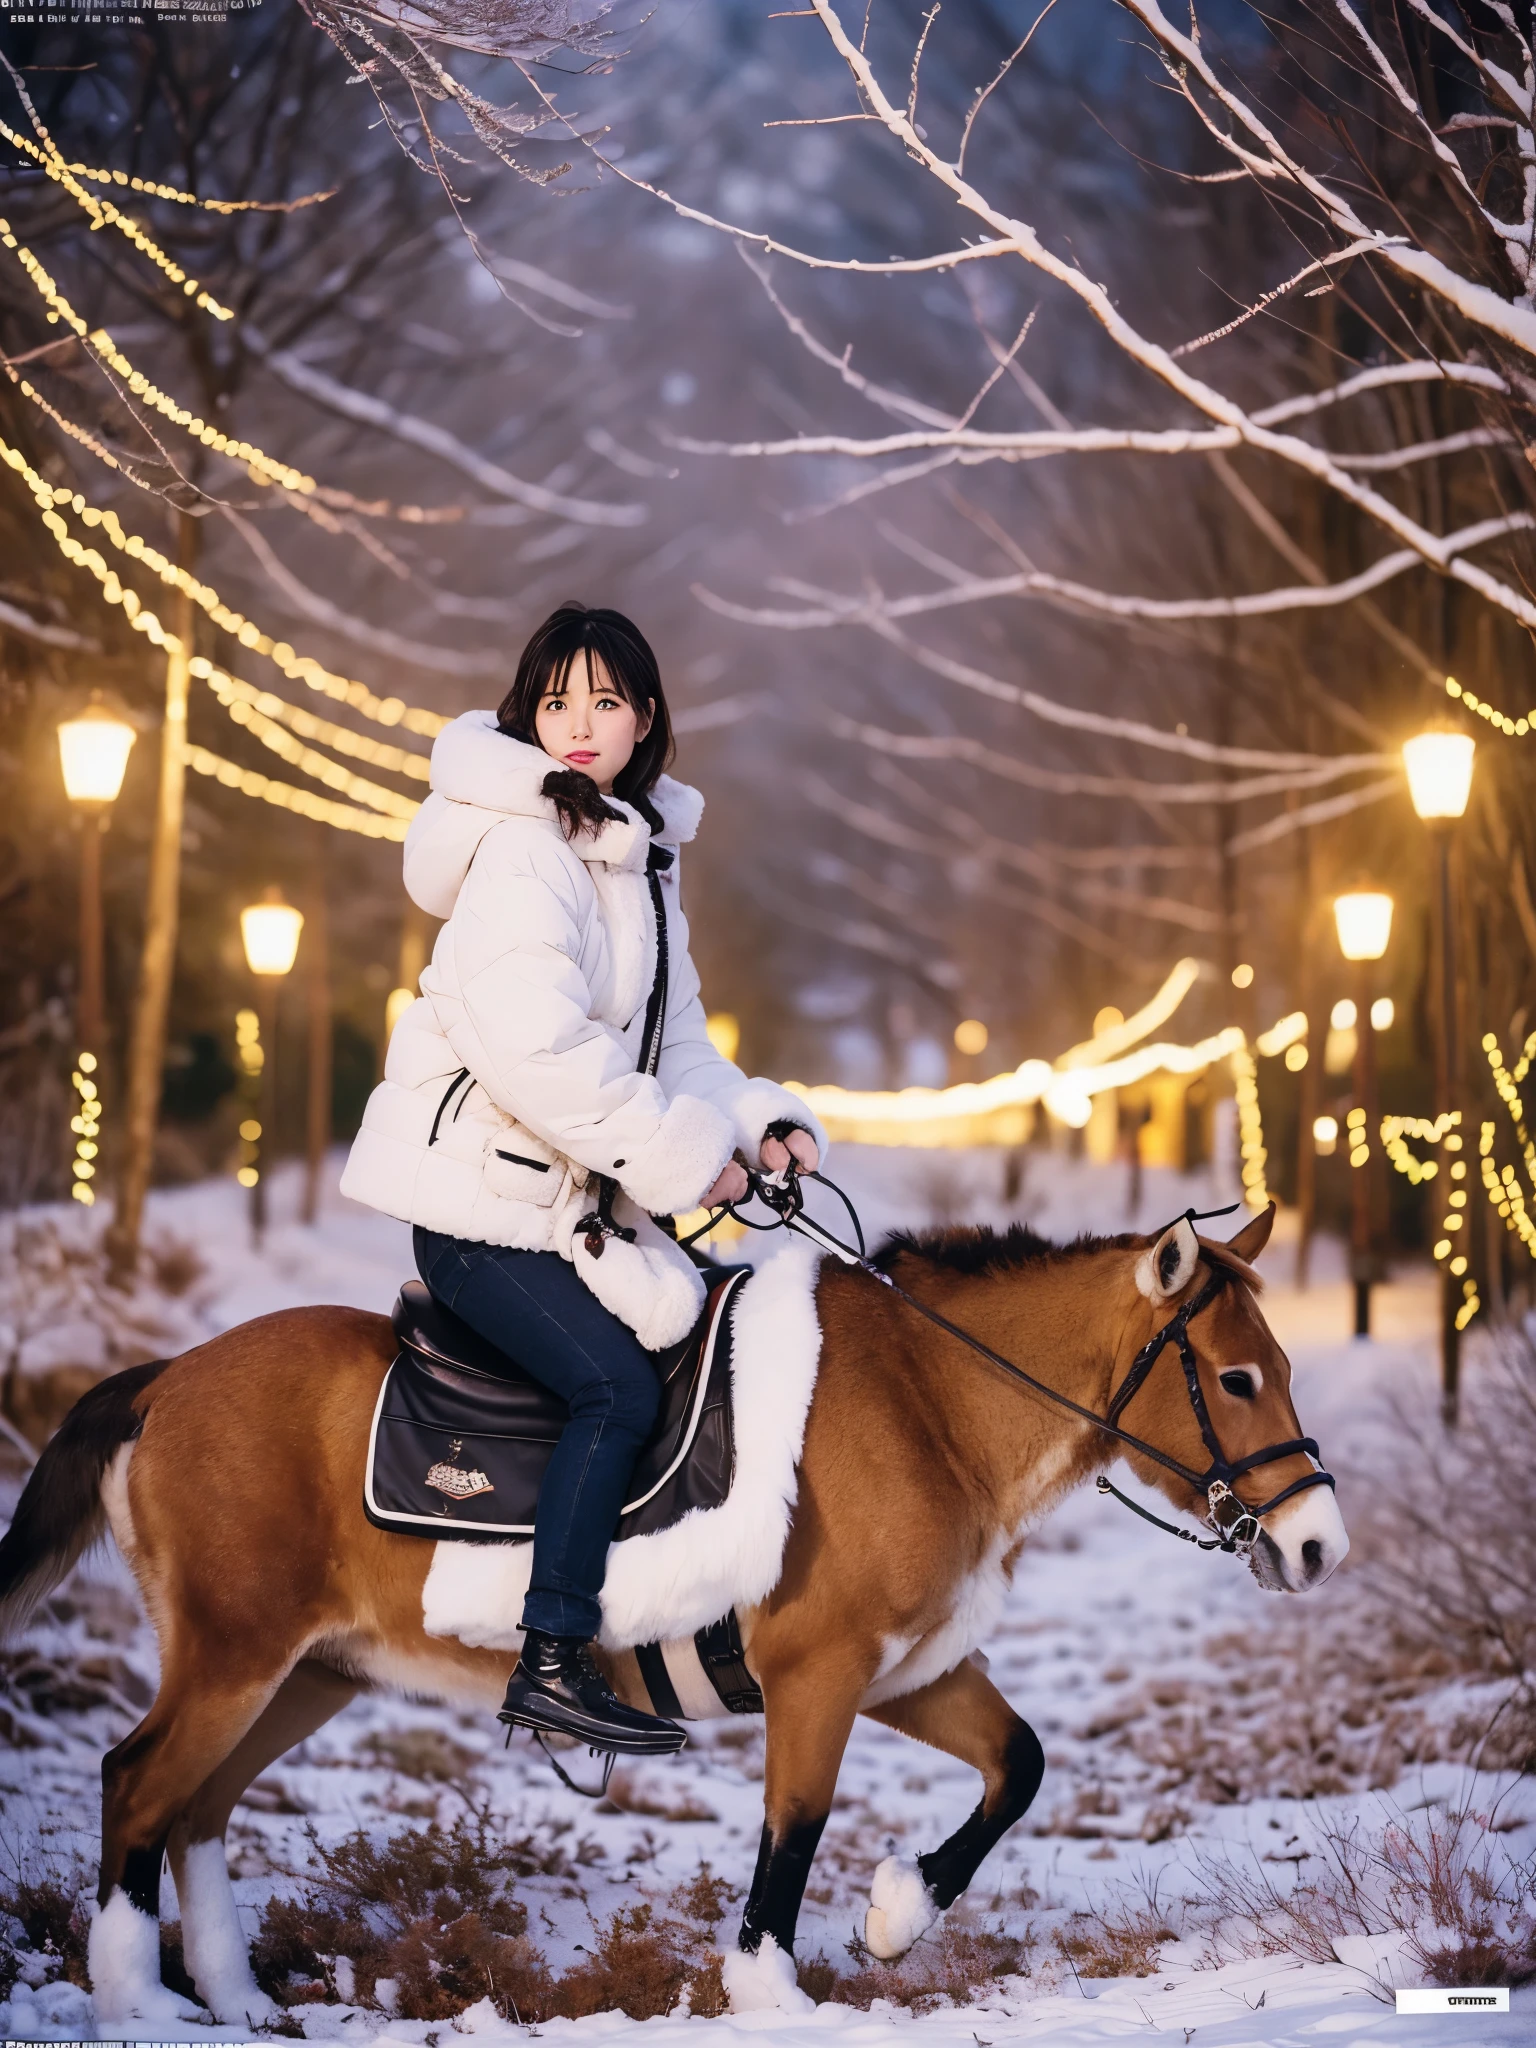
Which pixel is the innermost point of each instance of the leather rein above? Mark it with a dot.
(1236, 1526)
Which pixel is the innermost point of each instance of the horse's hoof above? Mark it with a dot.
(901, 1908)
(764, 1981)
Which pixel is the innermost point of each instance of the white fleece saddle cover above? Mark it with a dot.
(666, 1585)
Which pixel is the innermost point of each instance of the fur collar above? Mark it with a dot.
(473, 763)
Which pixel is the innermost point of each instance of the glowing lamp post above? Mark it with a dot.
(93, 754)
(269, 931)
(1363, 920)
(1439, 767)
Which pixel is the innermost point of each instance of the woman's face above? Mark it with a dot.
(588, 725)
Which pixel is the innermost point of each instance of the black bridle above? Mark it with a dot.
(1237, 1527)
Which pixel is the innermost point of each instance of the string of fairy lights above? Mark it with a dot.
(103, 214)
(1512, 728)
(1252, 1156)
(51, 500)
(288, 796)
(85, 1127)
(1502, 1183)
(61, 171)
(292, 749)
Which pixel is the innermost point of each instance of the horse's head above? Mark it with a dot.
(1218, 1393)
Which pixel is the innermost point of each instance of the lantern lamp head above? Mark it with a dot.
(93, 752)
(1363, 918)
(270, 932)
(1439, 766)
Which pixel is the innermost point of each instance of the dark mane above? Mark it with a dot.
(973, 1249)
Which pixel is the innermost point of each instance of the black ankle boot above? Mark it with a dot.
(557, 1688)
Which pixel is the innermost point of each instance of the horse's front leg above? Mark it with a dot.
(965, 1715)
(810, 1704)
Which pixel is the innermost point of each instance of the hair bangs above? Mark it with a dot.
(544, 669)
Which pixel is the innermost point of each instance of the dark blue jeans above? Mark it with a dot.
(534, 1307)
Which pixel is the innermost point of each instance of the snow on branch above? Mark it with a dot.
(872, 607)
(1010, 235)
(1064, 782)
(1075, 719)
(393, 46)
(350, 404)
(1381, 377)
(1322, 812)
(14, 620)
(379, 639)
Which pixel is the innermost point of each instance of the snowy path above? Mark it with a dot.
(1184, 1715)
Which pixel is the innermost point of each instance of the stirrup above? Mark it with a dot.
(611, 1758)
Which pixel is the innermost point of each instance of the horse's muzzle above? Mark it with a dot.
(1302, 1543)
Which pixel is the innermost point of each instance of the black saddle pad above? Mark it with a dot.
(461, 1434)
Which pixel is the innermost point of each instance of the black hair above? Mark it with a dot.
(571, 630)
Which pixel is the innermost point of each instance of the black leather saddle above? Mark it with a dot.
(461, 1434)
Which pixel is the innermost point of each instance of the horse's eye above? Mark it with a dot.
(1239, 1384)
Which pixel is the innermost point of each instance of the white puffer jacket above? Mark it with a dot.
(511, 1082)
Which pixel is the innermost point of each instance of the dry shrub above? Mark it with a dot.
(1121, 1940)
(1454, 1539)
(705, 1898)
(1445, 1881)
(175, 1264)
(42, 1915)
(426, 1924)
(430, 1910)
(642, 1965)
(945, 1968)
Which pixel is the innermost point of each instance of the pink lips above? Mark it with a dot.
(580, 760)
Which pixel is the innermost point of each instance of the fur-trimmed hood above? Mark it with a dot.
(480, 775)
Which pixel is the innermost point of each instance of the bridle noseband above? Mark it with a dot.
(1237, 1527)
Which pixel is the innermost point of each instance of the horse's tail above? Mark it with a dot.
(61, 1513)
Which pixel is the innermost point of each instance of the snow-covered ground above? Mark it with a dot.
(1194, 1727)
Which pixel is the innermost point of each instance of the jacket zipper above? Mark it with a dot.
(461, 1075)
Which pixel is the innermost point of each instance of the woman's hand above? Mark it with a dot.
(776, 1152)
(730, 1187)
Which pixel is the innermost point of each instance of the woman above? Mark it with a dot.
(516, 1127)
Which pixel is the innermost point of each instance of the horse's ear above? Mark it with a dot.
(1170, 1265)
(1253, 1237)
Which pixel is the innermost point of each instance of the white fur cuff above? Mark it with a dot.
(901, 1908)
(673, 1172)
(762, 1103)
(764, 1982)
(654, 1288)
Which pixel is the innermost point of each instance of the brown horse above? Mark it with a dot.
(232, 1480)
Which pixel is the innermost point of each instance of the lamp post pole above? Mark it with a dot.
(1439, 763)
(318, 1102)
(93, 754)
(269, 931)
(1447, 1090)
(1364, 921)
(1365, 1248)
(90, 1009)
(266, 1101)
